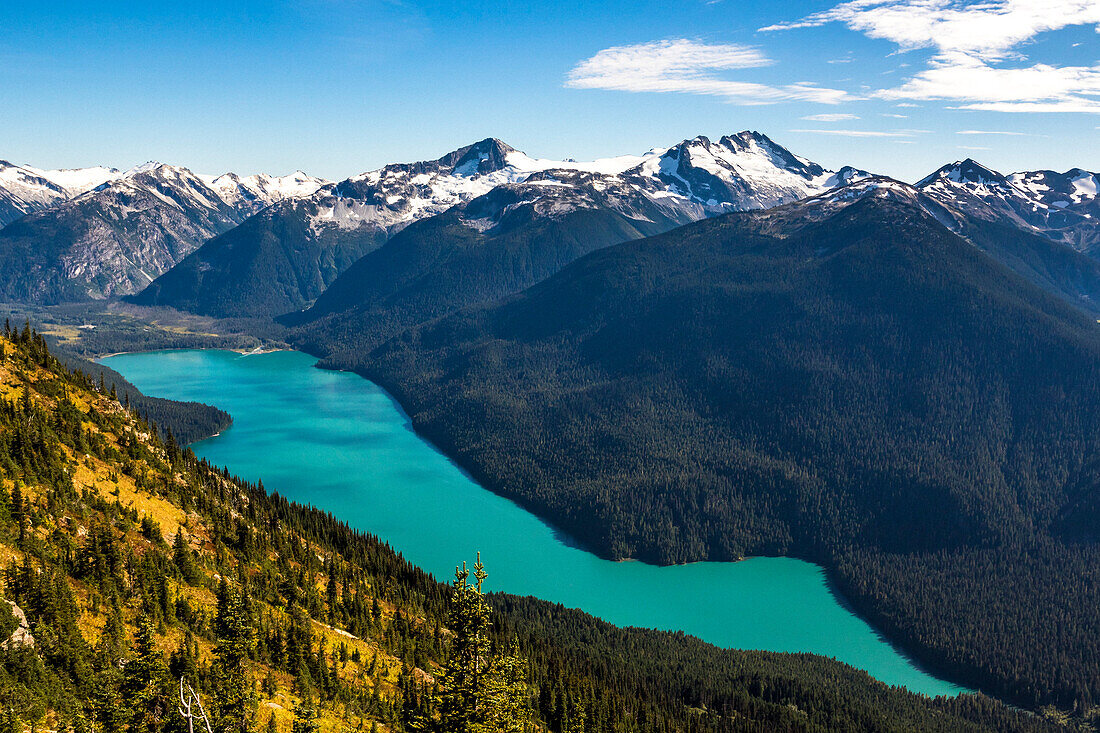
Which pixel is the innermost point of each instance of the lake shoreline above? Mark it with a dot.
(633, 566)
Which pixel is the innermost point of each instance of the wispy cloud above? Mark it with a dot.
(895, 116)
(975, 84)
(990, 132)
(970, 147)
(973, 43)
(863, 133)
(990, 29)
(692, 67)
(831, 117)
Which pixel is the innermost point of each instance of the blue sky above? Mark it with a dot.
(336, 87)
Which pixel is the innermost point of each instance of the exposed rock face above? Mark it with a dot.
(21, 637)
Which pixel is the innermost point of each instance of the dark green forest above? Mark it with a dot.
(272, 263)
(872, 392)
(439, 265)
(243, 600)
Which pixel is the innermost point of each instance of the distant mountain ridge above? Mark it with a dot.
(85, 237)
(645, 194)
(117, 236)
(25, 189)
(1064, 207)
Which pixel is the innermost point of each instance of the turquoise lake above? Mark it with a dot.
(340, 443)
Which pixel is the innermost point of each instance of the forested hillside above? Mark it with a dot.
(872, 392)
(272, 263)
(185, 422)
(132, 566)
(494, 246)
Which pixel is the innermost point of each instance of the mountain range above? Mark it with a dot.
(1061, 206)
(25, 189)
(494, 191)
(85, 238)
(267, 246)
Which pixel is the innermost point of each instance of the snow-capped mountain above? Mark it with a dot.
(392, 197)
(692, 180)
(1064, 207)
(258, 191)
(1058, 269)
(119, 236)
(25, 189)
(791, 218)
(739, 173)
(493, 187)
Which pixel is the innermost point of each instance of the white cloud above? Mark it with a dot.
(864, 133)
(1083, 107)
(977, 85)
(990, 132)
(970, 147)
(682, 65)
(895, 116)
(973, 42)
(989, 29)
(831, 117)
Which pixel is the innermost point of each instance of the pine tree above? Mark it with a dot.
(18, 512)
(468, 618)
(181, 556)
(478, 693)
(507, 695)
(107, 702)
(145, 687)
(234, 700)
(305, 717)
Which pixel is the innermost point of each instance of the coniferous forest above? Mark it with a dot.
(147, 586)
(870, 391)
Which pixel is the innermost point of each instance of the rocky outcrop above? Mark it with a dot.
(21, 637)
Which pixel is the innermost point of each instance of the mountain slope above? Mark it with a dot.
(133, 565)
(274, 262)
(1063, 207)
(870, 390)
(117, 237)
(1056, 268)
(690, 181)
(24, 190)
(498, 244)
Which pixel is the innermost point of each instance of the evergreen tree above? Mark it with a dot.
(477, 692)
(181, 556)
(145, 687)
(305, 717)
(18, 513)
(234, 699)
(107, 704)
(507, 695)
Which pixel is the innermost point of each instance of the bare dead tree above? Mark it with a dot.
(186, 702)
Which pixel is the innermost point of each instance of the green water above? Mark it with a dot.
(337, 441)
